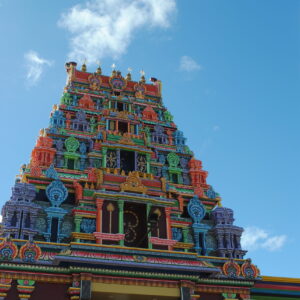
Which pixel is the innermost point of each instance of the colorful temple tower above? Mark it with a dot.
(113, 205)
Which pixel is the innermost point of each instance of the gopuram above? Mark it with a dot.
(113, 205)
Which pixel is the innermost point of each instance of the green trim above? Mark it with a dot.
(280, 297)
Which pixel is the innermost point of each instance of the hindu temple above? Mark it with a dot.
(114, 205)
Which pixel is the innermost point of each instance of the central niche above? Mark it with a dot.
(135, 225)
(127, 161)
(123, 127)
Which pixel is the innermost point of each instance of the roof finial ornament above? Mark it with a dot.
(42, 132)
(99, 70)
(143, 79)
(128, 76)
(113, 66)
(83, 67)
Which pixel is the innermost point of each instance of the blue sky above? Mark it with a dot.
(230, 73)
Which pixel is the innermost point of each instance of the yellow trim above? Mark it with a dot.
(135, 289)
(82, 236)
(139, 197)
(281, 279)
(139, 249)
(183, 245)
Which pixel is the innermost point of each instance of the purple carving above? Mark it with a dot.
(228, 235)
(19, 213)
(158, 136)
(80, 123)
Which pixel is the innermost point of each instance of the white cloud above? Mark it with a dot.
(255, 238)
(101, 28)
(188, 64)
(35, 66)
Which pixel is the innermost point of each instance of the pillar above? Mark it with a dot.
(118, 158)
(203, 237)
(25, 288)
(168, 224)
(59, 230)
(5, 285)
(148, 162)
(104, 152)
(77, 221)
(99, 203)
(229, 296)
(121, 219)
(185, 232)
(149, 205)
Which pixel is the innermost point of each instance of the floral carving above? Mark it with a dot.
(133, 183)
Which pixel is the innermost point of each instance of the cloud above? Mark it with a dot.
(35, 66)
(216, 128)
(102, 28)
(255, 238)
(188, 64)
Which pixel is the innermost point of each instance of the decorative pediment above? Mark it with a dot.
(133, 183)
(140, 90)
(117, 82)
(126, 139)
(94, 81)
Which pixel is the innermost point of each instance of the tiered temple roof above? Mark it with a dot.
(113, 191)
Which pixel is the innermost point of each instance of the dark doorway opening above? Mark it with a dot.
(120, 106)
(54, 228)
(20, 225)
(71, 164)
(123, 127)
(135, 225)
(127, 161)
(174, 178)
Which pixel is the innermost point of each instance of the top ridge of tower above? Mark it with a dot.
(116, 84)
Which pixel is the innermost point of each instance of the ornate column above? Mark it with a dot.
(187, 289)
(99, 203)
(168, 225)
(148, 162)
(170, 136)
(245, 296)
(185, 236)
(220, 238)
(74, 290)
(229, 296)
(59, 230)
(237, 238)
(121, 219)
(25, 288)
(77, 221)
(118, 158)
(104, 152)
(5, 285)
(149, 205)
(203, 237)
(48, 233)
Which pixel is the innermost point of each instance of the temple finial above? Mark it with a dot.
(83, 67)
(143, 79)
(128, 76)
(113, 66)
(99, 70)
